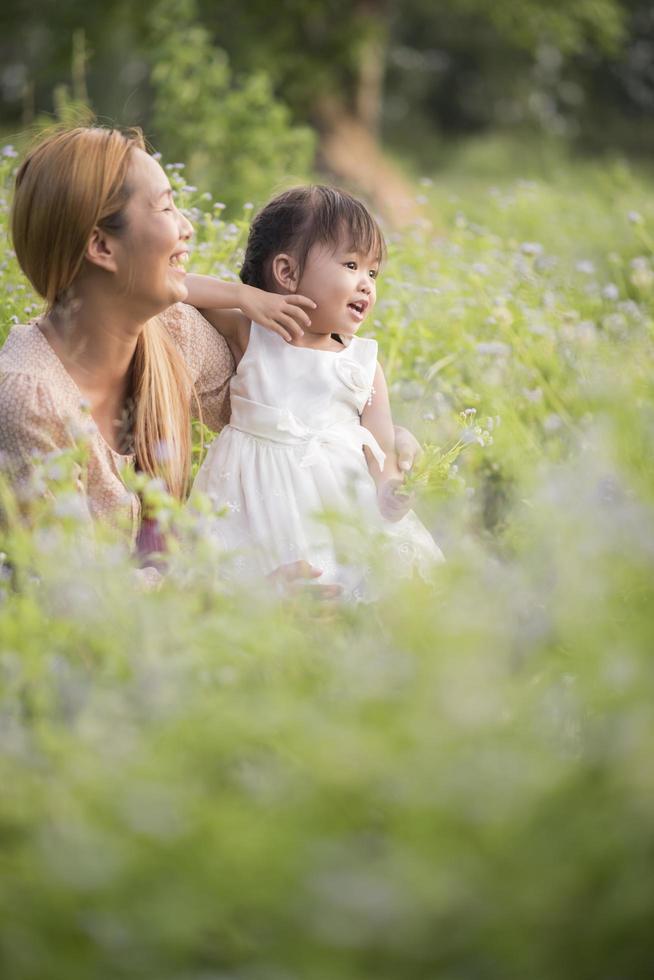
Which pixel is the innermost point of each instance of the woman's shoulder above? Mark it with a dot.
(24, 351)
(32, 405)
(35, 416)
(31, 374)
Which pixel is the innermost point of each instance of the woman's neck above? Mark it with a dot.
(95, 341)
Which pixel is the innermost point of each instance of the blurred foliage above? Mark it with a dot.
(581, 74)
(235, 137)
(205, 782)
(203, 77)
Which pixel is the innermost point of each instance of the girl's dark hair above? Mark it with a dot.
(305, 216)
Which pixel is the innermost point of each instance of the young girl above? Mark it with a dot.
(306, 409)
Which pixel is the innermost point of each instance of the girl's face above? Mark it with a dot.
(343, 284)
(151, 250)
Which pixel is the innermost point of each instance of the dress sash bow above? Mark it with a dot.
(281, 425)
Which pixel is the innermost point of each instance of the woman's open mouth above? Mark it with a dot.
(178, 261)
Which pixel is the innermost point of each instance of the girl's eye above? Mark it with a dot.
(374, 273)
(351, 265)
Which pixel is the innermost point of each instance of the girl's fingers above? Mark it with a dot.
(326, 591)
(278, 329)
(407, 448)
(298, 315)
(288, 323)
(298, 300)
(299, 570)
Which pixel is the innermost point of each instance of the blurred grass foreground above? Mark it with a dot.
(203, 784)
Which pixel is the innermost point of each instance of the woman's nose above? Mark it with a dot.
(185, 227)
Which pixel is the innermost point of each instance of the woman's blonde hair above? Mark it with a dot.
(70, 182)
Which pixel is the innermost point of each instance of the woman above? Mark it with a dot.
(96, 231)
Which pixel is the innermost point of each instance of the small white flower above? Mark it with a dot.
(495, 348)
(71, 505)
(411, 391)
(552, 423)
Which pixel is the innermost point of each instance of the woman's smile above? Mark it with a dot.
(157, 234)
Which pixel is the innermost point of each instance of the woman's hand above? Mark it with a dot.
(407, 448)
(394, 504)
(295, 578)
(283, 314)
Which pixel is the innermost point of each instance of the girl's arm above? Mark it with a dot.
(377, 418)
(231, 306)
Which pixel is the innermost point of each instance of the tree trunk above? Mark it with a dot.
(350, 147)
(354, 156)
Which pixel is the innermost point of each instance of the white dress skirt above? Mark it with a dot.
(289, 476)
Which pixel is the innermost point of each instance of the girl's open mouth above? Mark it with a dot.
(358, 308)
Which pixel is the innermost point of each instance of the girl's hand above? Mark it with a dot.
(407, 448)
(284, 315)
(296, 577)
(394, 502)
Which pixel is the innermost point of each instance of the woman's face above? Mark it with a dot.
(152, 248)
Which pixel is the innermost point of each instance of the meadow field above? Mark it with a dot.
(455, 782)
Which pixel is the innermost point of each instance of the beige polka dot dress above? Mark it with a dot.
(42, 411)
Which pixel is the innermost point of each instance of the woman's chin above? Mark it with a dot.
(179, 293)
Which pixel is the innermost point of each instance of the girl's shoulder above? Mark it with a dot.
(362, 349)
(364, 343)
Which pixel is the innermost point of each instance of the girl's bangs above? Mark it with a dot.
(343, 217)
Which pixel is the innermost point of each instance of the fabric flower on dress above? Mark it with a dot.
(353, 376)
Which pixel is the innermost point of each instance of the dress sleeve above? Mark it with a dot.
(207, 357)
(30, 428)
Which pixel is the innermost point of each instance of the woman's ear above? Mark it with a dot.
(284, 270)
(100, 250)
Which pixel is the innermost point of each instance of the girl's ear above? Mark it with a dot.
(100, 250)
(284, 269)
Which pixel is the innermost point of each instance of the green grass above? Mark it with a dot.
(453, 783)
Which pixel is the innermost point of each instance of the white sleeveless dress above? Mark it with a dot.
(290, 474)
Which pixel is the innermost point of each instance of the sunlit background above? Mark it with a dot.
(455, 783)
